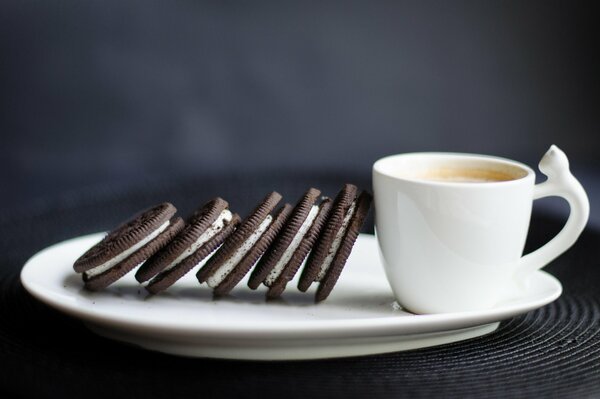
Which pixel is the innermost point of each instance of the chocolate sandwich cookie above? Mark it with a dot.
(127, 246)
(329, 256)
(282, 260)
(242, 249)
(204, 231)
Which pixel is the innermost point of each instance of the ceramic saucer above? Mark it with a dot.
(360, 317)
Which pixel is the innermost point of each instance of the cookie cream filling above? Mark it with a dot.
(123, 255)
(337, 241)
(287, 255)
(223, 271)
(224, 217)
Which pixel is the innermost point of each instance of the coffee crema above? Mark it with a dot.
(462, 175)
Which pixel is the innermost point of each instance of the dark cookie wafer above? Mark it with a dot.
(125, 236)
(165, 279)
(186, 251)
(292, 266)
(195, 226)
(245, 229)
(108, 277)
(343, 201)
(285, 237)
(250, 258)
(363, 203)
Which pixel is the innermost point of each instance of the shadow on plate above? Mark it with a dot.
(241, 294)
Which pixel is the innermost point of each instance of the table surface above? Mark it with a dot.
(553, 351)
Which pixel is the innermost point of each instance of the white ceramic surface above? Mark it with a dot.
(457, 246)
(360, 317)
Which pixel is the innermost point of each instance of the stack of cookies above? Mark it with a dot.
(271, 244)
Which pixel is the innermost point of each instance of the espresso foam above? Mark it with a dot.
(464, 175)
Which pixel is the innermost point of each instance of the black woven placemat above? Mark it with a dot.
(550, 352)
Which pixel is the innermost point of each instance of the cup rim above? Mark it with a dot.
(379, 165)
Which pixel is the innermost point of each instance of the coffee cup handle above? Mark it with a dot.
(561, 183)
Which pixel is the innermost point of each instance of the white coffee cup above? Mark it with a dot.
(451, 227)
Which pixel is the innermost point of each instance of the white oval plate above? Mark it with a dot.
(360, 316)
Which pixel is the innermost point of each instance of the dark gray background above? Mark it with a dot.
(123, 92)
(108, 106)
